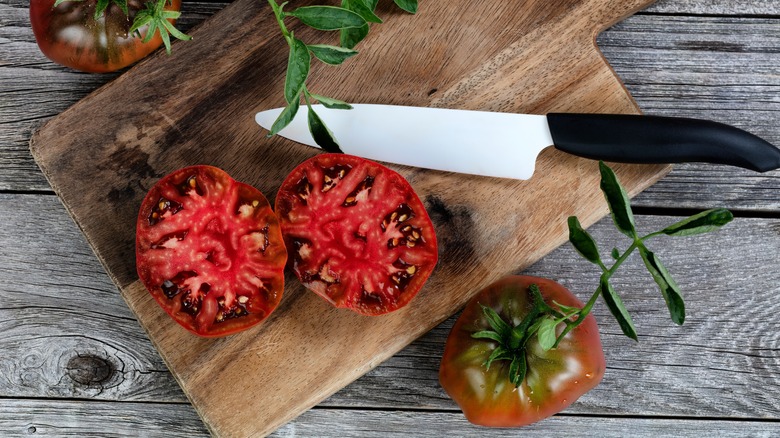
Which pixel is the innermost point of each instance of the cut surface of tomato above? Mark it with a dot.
(356, 233)
(210, 251)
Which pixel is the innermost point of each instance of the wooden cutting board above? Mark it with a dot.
(197, 106)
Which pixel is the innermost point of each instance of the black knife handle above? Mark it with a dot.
(651, 139)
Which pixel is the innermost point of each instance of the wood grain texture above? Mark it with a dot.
(278, 370)
(683, 48)
(79, 419)
(683, 66)
(673, 61)
(91, 348)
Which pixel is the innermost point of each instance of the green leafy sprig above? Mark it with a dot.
(352, 19)
(543, 320)
(153, 15)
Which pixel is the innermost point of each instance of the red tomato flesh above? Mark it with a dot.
(356, 233)
(555, 378)
(210, 251)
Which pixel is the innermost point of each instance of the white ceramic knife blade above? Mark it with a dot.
(474, 142)
(506, 145)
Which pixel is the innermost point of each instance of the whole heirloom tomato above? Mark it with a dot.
(69, 35)
(554, 379)
(210, 251)
(356, 232)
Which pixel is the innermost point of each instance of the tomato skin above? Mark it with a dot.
(356, 233)
(69, 35)
(210, 251)
(555, 378)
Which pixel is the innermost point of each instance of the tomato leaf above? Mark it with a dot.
(150, 30)
(123, 6)
(703, 222)
(669, 289)
(321, 133)
(349, 38)
(615, 253)
(488, 334)
(329, 102)
(583, 242)
(166, 37)
(546, 334)
(617, 199)
(142, 18)
(409, 6)
(327, 17)
(498, 354)
(176, 32)
(518, 369)
(100, 8)
(59, 2)
(332, 55)
(287, 115)
(497, 323)
(363, 9)
(567, 310)
(298, 65)
(615, 305)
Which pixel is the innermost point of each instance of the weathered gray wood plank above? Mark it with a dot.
(69, 418)
(66, 330)
(92, 419)
(706, 58)
(716, 7)
(68, 334)
(724, 69)
(325, 423)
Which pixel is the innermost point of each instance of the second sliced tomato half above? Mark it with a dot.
(356, 233)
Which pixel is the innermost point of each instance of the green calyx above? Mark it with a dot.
(156, 17)
(541, 321)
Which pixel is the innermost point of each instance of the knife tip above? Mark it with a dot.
(266, 118)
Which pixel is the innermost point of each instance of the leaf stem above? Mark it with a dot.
(606, 275)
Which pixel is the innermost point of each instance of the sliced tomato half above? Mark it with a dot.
(356, 232)
(210, 251)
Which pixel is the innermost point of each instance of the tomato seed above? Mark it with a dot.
(190, 184)
(162, 207)
(362, 189)
(303, 189)
(332, 176)
(169, 289)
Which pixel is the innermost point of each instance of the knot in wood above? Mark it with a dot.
(89, 369)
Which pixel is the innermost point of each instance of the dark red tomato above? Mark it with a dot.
(554, 379)
(356, 232)
(69, 35)
(210, 251)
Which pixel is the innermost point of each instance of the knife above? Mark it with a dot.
(506, 145)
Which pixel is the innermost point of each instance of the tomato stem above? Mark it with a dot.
(606, 275)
